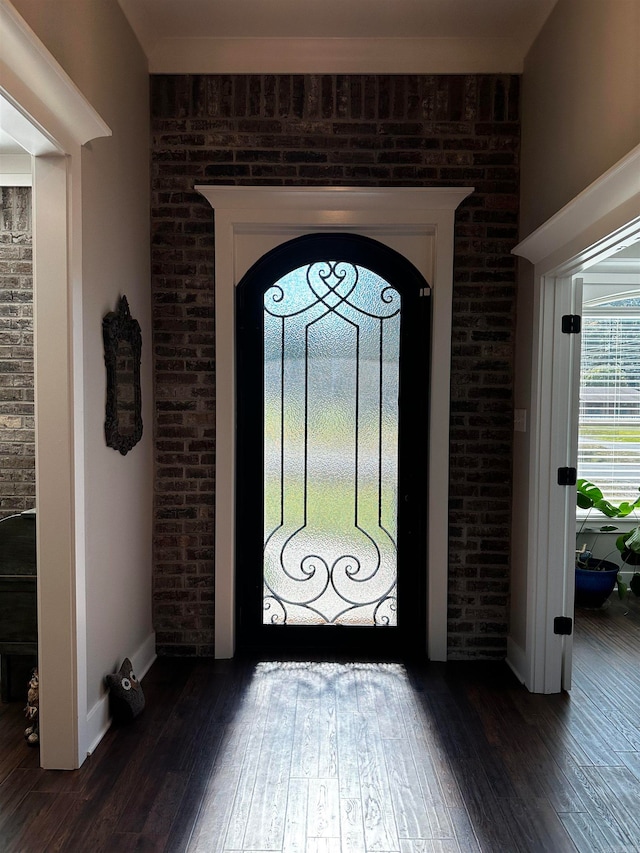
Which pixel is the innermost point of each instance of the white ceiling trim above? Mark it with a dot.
(616, 188)
(210, 55)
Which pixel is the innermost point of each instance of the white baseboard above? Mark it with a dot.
(98, 719)
(144, 657)
(517, 661)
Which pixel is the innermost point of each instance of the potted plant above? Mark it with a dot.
(596, 577)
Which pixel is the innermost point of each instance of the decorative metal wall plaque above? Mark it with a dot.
(122, 351)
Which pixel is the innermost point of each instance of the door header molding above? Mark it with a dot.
(399, 199)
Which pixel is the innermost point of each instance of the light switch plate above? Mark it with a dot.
(520, 420)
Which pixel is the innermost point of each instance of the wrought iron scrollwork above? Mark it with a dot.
(331, 559)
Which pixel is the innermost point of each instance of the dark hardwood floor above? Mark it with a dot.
(350, 757)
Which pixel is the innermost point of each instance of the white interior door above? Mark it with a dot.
(573, 401)
(560, 359)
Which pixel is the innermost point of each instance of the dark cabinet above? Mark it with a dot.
(18, 604)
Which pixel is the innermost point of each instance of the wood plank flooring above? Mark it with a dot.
(350, 757)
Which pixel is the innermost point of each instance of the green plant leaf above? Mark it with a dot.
(626, 508)
(588, 496)
(633, 540)
(587, 493)
(629, 546)
(622, 587)
(607, 508)
(583, 501)
(635, 584)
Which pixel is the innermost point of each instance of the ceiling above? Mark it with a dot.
(307, 36)
(13, 158)
(8, 145)
(343, 36)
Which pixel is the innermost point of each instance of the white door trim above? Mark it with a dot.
(417, 222)
(599, 221)
(43, 110)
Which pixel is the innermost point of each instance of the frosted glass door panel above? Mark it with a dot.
(331, 380)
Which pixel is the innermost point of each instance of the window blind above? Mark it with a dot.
(609, 422)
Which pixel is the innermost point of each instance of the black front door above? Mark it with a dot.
(332, 395)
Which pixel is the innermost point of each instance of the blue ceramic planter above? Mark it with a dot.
(595, 585)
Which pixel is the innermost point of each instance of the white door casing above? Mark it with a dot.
(418, 223)
(43, 111)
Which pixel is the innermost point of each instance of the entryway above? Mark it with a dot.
(418, 224)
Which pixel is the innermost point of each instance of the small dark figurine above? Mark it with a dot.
(32, 732)
(126, 699)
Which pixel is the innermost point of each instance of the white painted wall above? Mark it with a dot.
(88, 39)
(580, 102)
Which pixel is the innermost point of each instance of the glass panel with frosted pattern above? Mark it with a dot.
(331, 382)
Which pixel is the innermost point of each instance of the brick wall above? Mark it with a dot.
(17, 459)
(335, 130)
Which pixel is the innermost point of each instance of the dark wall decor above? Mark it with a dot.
(122, 351)
(335, 130)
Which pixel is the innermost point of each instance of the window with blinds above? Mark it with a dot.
(609, 425)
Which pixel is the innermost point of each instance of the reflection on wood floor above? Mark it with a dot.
(341, 756)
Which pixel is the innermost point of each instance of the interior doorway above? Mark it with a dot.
(47, 116)
(602, 221)
(18, 610)
(332, 355)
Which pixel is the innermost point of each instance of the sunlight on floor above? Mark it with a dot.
(324, 756)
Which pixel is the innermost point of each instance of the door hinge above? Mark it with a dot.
(563, 625)
(567, 476)
(425, 291)
(571, 324)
